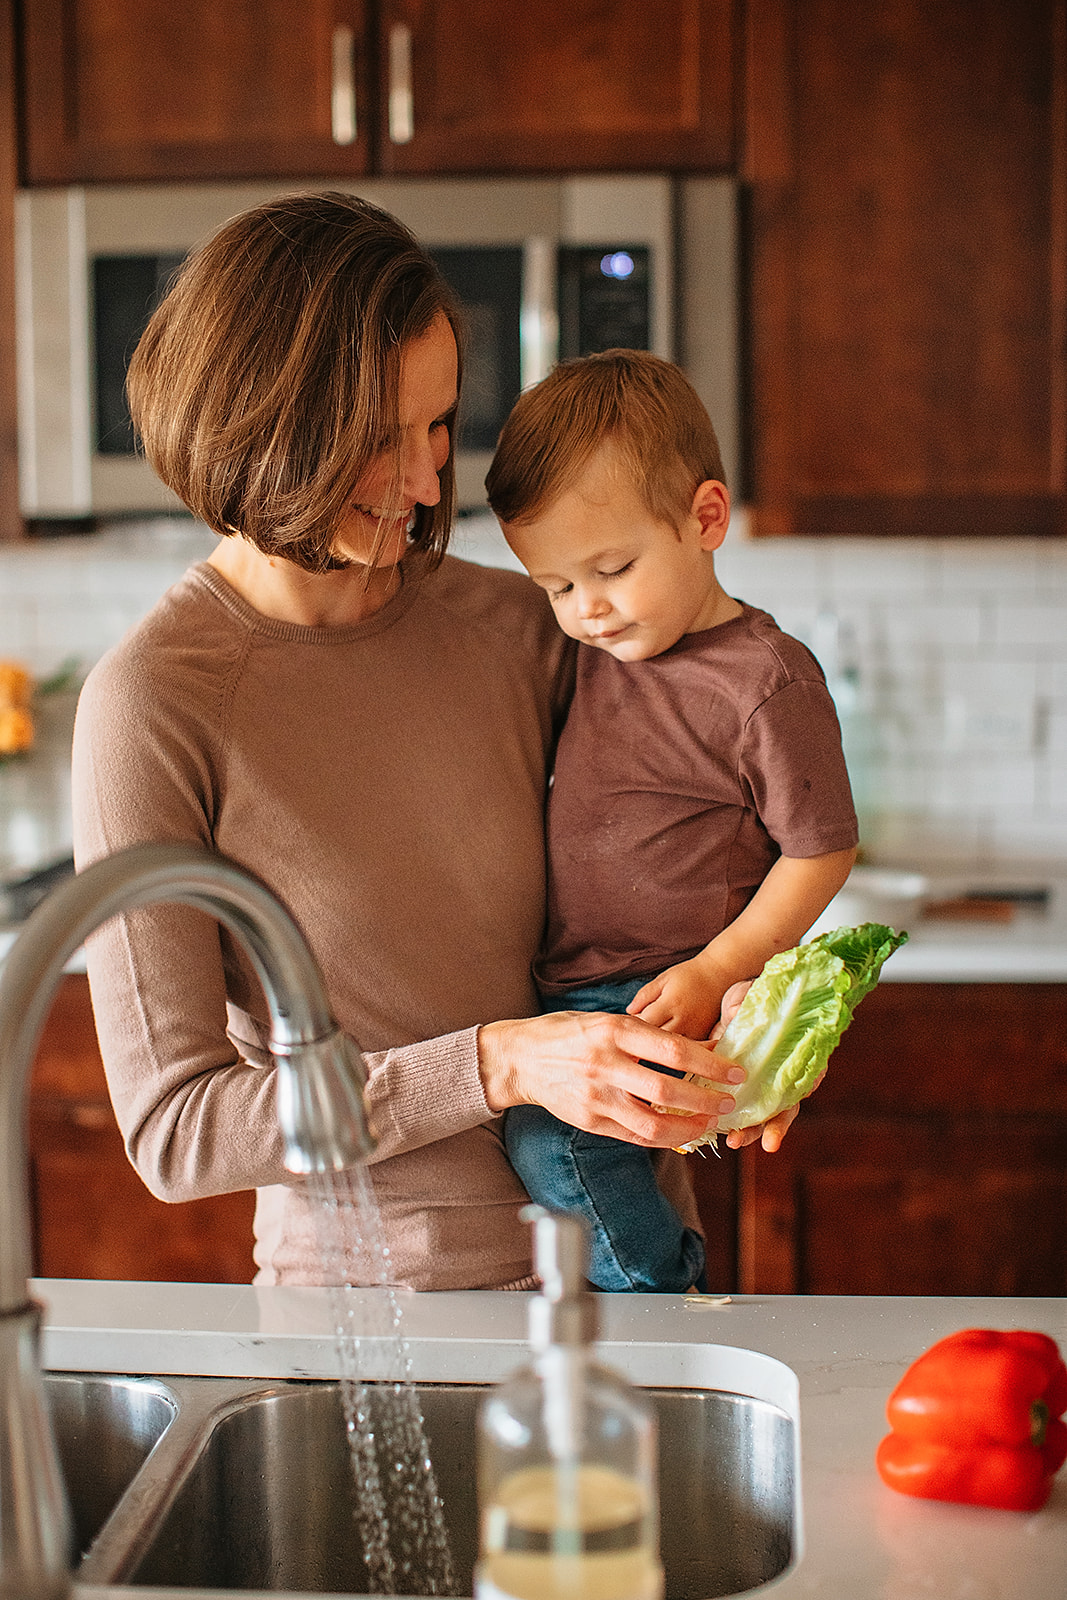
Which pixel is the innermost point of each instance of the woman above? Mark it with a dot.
(365, 725)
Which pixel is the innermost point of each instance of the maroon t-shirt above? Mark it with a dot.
(679, 781)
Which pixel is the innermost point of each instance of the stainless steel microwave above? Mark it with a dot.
(545, 268)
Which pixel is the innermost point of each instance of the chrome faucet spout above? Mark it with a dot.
(321, 1078)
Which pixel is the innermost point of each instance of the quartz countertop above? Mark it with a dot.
(859, 1541)
(1029, 947)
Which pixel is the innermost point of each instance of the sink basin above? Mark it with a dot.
(265, 1499)
(105, 1429)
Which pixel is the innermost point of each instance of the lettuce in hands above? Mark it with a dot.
(793, 1016)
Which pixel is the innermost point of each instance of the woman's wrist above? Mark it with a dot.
(496, 1066)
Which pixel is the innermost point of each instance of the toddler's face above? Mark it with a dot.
(618, 578)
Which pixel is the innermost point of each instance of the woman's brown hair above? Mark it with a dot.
(268, 377)
(645, 407)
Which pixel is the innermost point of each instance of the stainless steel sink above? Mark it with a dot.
(106, 1428)
(251, 1488)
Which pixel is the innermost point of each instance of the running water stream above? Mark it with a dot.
(398, 1510)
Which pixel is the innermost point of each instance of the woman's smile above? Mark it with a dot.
(374, 532)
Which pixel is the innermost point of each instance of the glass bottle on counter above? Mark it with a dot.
(835, 645)
(567, 1489)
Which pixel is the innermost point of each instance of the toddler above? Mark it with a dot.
(700, 816)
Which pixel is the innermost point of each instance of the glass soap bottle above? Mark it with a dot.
(567, 1492)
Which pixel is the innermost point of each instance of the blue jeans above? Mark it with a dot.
(637, 1239)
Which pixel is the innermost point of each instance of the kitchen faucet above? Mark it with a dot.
(321, 1077)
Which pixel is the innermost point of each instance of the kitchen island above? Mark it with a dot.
(856, 1539)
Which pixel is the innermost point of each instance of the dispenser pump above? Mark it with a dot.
(565, 1312)
(566, 1452)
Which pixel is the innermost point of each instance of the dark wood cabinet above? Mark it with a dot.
(473, 86)
(92, 1215)
(932, 1159)
(906, 191)
(202, 88)
(230, 89)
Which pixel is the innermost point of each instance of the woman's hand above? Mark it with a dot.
(771, 1133)
(585, 1067)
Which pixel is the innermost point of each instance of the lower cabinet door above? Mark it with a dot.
(92, 1215)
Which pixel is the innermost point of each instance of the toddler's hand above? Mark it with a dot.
(679, 1000)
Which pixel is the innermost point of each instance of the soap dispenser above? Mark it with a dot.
(567, 1492)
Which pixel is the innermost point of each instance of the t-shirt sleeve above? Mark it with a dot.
(792, 764)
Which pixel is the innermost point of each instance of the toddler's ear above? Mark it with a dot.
(711, 507)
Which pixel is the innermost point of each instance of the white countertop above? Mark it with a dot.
(835, 1357)
(1031, 948)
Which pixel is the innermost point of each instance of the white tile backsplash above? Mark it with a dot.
(957, 648)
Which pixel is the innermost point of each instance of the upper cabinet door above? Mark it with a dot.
(908, 256)
(194, 88)
(562, 85)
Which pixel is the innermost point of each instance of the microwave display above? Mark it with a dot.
(487, 282)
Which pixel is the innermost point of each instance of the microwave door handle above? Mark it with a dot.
(401, 91)
(343, 86)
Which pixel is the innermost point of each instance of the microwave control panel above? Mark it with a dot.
(604, 298)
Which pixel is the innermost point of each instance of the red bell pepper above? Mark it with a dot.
(976, 1419)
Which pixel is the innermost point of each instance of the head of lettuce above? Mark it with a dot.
(793, 1016)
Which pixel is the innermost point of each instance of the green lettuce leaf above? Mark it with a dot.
(793, 1016)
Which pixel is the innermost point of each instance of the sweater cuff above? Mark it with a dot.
(419, 1093)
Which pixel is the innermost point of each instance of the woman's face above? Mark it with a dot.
(381, 512)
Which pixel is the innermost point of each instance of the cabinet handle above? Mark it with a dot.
(343, 86)
(401, 93)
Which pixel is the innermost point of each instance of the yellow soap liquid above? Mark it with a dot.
(583, 1533)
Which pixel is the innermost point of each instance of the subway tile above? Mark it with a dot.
(1054, 730)
(763, 576)
(991, 724)
(84, 633)
(981, 679)
(917, 839)
(970, 786)
(911, 730)
(880, 567)
(936, 627)
(18, 632)
(1042, 624)
(998, 566)
(900, 784)
(1030, 838)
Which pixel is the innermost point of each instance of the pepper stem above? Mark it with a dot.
(1038, 1422)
